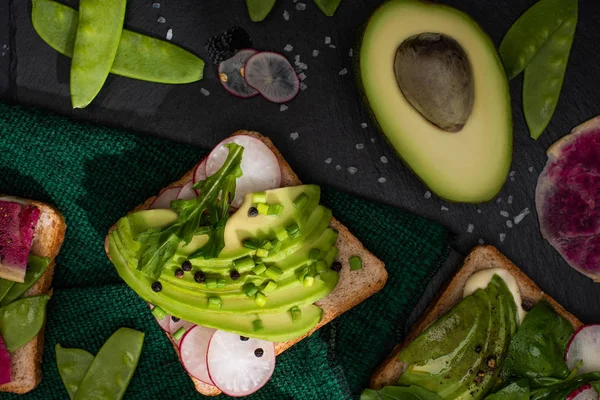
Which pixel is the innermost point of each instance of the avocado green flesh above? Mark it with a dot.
(443, 358)
(470, 165)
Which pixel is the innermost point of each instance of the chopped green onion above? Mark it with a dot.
(273, 272)
(258, 325)
(159, 313)
(251, 244)
(308, 280)
(211, 283)
(214, 303)
(276, 246)
(259, 269)
(314, 254)
(296, 313)
(301, 200)
(293, 230)
(221, 283)
(250, 290)
(321, 267)
(179, 333)
(270, 287)
(259, 197)
(331, 255)
(266, 245)
(355, 263)
(244, 264)
(262, 253)
(260, 299)
(275, 209)
(282, 234)
(301, 273)
(263, 209)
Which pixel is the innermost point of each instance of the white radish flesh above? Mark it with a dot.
(239, 366)
(585, 392)
(260, 166)
(200, 171)
(164, 199)
(584, 346)
(194, 346)
(177, 323)
(186, 192)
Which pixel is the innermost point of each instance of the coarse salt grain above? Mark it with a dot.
(286, 15)
(315, 53)
(302, 76)
(519, 217)
(352, 170)
(283, 107)
(303, 86)
(327, 40)
(481, 241)
(338, 167)
(382, 180)
(530, 169)
(294, 135)
(161, 20)
(155, 5)
(170, 34)
(333, 46)
(478, 211)
(344, 71)
(350, 53)
(383, 159)
(205, 92)
(470, 228)
(505, 214)
(444, 208)
(427, 194)
(288, 47)
(300, 6)
(328, 160)
(510, 199)
(360, 146)
(509, 223)
(363, 125)
(502, 237)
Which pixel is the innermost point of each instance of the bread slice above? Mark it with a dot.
(26, 368)
(353, 287)
(480, 258)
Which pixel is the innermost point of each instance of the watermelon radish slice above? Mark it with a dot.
(163, 323)
(164, 199)
(584, 346)
(4, 363)
(585, 392)
(186, 192)
(17, 226)
(176, 323)
(200, 171)
(260, 166)
(568, 198)
(273, 76)
(231, 74)
(239, 366)
(192, 351)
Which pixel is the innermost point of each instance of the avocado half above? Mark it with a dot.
(436, 88)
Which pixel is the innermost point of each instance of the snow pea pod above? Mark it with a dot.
(36, 266)
(259, 9)
(327, 7)
(72, 365)
(544, 78)
(5, 286)
(113, 367)
(531, 31)
(138, 56)
(96, 42)
(21, 320)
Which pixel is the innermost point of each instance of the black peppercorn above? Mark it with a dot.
(478, 349)
(175, 319)
(336, 266)
(259, 352)
(199, 277)
(234, 275)
(244, 338)
(253, 212)
(156, 286)
(186, 265)
(179, 273)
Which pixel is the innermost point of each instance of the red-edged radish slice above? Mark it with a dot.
(273, 76)
(186, 192)
(260, 167)
(193, 348)
(231, 74)
(585, 392)
(200, 171)
(164, 199)
(163, 323)
(177, 323)
(239, 366)
(584, 346)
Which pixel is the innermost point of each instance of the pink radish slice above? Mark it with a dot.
(260, 167)
(584, 346)
(192, 351)
(231, 74)
(186, 192)
(585, 392)
(200, 173)
(239, 366)
(163, 323)
(178, 323)
(164, 199)
(273, 76)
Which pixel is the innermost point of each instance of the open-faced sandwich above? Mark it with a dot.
(239, 261)
(492, 334)
(31, 234)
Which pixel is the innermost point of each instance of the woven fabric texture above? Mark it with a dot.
(94, 175)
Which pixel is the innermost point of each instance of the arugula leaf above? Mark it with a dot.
(399, 393)
(536, 351)
(518, 390)
(207, 213)
(561, 390)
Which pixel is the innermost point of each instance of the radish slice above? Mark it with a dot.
(174, 325)
(200, 171)
(585, 392)
(239, 366)
(192, 351)
(584, 346)
(273, 76)
(260, 167)
(231, 74)
(163, 323)
(164, 199)
(186, 192)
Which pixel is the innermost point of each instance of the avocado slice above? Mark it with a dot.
(450, 122)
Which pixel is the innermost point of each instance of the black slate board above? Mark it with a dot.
(327, 116)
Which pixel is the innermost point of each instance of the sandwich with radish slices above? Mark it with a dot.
(238, 261)
(31, 234)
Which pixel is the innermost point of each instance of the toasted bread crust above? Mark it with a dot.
(480, 258)
(354, 286)
(26, 369)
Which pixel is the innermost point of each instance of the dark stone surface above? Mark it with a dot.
(327, 116)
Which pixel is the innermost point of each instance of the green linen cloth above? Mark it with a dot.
(94, 175)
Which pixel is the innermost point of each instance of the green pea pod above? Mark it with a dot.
(259, 9)
(96, 42)
(328, 7)
(544, 78)
(36, 266)
(72, 365)
(113, 367)
(21, 320)
(138, 56)
(5, 286)
(531, 31)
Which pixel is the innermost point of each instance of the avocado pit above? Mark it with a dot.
(434, 74)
